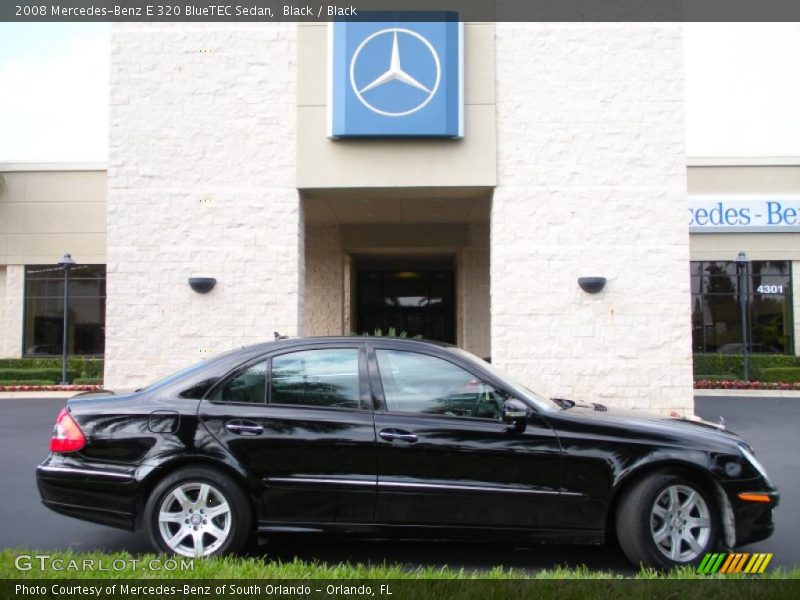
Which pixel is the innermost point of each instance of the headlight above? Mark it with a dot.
(748, 454)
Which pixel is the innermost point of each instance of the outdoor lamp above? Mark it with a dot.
(742, 262)
(65, 263)
(592, 285)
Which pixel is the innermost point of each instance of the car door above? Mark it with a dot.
(445, 456)
(300, 420)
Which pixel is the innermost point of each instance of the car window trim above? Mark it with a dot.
(380, 397)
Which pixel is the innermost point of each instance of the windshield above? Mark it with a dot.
(519, 388)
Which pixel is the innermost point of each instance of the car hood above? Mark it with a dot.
(655, 424)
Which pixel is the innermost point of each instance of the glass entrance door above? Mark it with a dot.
(419, 301)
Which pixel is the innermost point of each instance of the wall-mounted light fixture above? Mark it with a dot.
(592, 285)
(202, 285)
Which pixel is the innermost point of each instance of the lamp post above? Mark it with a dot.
(742, 263)
(65, 263)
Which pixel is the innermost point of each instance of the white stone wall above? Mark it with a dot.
(200, 183)
(12, 293)
(324, 278)
(592, 181)
(474, 321)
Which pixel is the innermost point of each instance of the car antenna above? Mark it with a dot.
(278, 336)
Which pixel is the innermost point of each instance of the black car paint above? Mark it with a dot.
(327, 469)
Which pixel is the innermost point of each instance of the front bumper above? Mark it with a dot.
(753, 520)
(80, 490)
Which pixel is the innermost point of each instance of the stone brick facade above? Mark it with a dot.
(12, 292)
(200, 183)
(592, 181)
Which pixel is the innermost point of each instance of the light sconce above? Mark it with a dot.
(202, 285)
(592, 285)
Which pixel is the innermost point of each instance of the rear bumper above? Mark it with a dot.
(79, 491)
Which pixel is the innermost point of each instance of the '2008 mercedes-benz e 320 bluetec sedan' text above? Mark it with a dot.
(383, 437)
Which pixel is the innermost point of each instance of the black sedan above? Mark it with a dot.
(384, 437)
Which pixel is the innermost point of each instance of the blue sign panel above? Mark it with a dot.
(396, 79)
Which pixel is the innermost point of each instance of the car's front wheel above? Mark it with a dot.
(198, 512)
(667, 520)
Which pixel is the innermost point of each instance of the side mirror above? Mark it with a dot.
(516, 412)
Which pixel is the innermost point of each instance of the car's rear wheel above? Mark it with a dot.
(198, 512)
(667, 520)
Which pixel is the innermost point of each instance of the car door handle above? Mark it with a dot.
(244, 428)
(391, 435)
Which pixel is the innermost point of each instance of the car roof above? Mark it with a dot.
(333, 339)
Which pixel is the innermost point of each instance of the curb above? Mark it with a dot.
(748, 393)
(51, 395)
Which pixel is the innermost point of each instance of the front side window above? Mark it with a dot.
(325, 378)
(419, 383)
(248, 385)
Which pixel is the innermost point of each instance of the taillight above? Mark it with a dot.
(67, 436)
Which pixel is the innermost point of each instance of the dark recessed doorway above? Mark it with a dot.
(408, 294)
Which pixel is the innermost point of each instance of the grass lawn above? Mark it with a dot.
(74, 566)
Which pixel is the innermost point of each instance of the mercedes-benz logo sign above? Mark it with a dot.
(395, 70)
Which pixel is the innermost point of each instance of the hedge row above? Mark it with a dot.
(731, 366)
(80, 367)
(780, 374)
(48, 374)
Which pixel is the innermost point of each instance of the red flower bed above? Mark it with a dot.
(705, 384)
(50, 388)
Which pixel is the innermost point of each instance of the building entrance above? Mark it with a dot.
(412, 295)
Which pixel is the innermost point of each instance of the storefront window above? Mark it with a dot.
(716, 317)
(44, 310)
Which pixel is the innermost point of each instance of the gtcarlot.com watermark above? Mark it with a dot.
(45, 562)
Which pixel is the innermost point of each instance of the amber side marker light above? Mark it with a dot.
(748, 497)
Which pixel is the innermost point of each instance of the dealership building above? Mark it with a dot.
(458, 182)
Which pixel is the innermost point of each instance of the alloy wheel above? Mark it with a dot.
(194, 519)
(680, 523)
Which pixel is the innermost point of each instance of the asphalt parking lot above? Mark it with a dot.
(769, 424)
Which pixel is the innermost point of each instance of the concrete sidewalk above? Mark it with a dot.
(53, 395)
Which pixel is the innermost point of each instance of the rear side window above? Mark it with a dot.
(248, 385)
(325, 377)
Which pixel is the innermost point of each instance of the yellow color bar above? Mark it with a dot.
(754, 562)
(765, 563)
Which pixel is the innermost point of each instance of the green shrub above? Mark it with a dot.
(731, 366)
(716, 377)
(780, 374)
(46, 374)
(77, 366)
(87, 381)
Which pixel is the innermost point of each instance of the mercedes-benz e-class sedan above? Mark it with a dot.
(384, 437)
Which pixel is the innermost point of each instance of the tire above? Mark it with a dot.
(199, 512)
(667, 520)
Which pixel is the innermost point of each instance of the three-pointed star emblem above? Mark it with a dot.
(394, 73)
